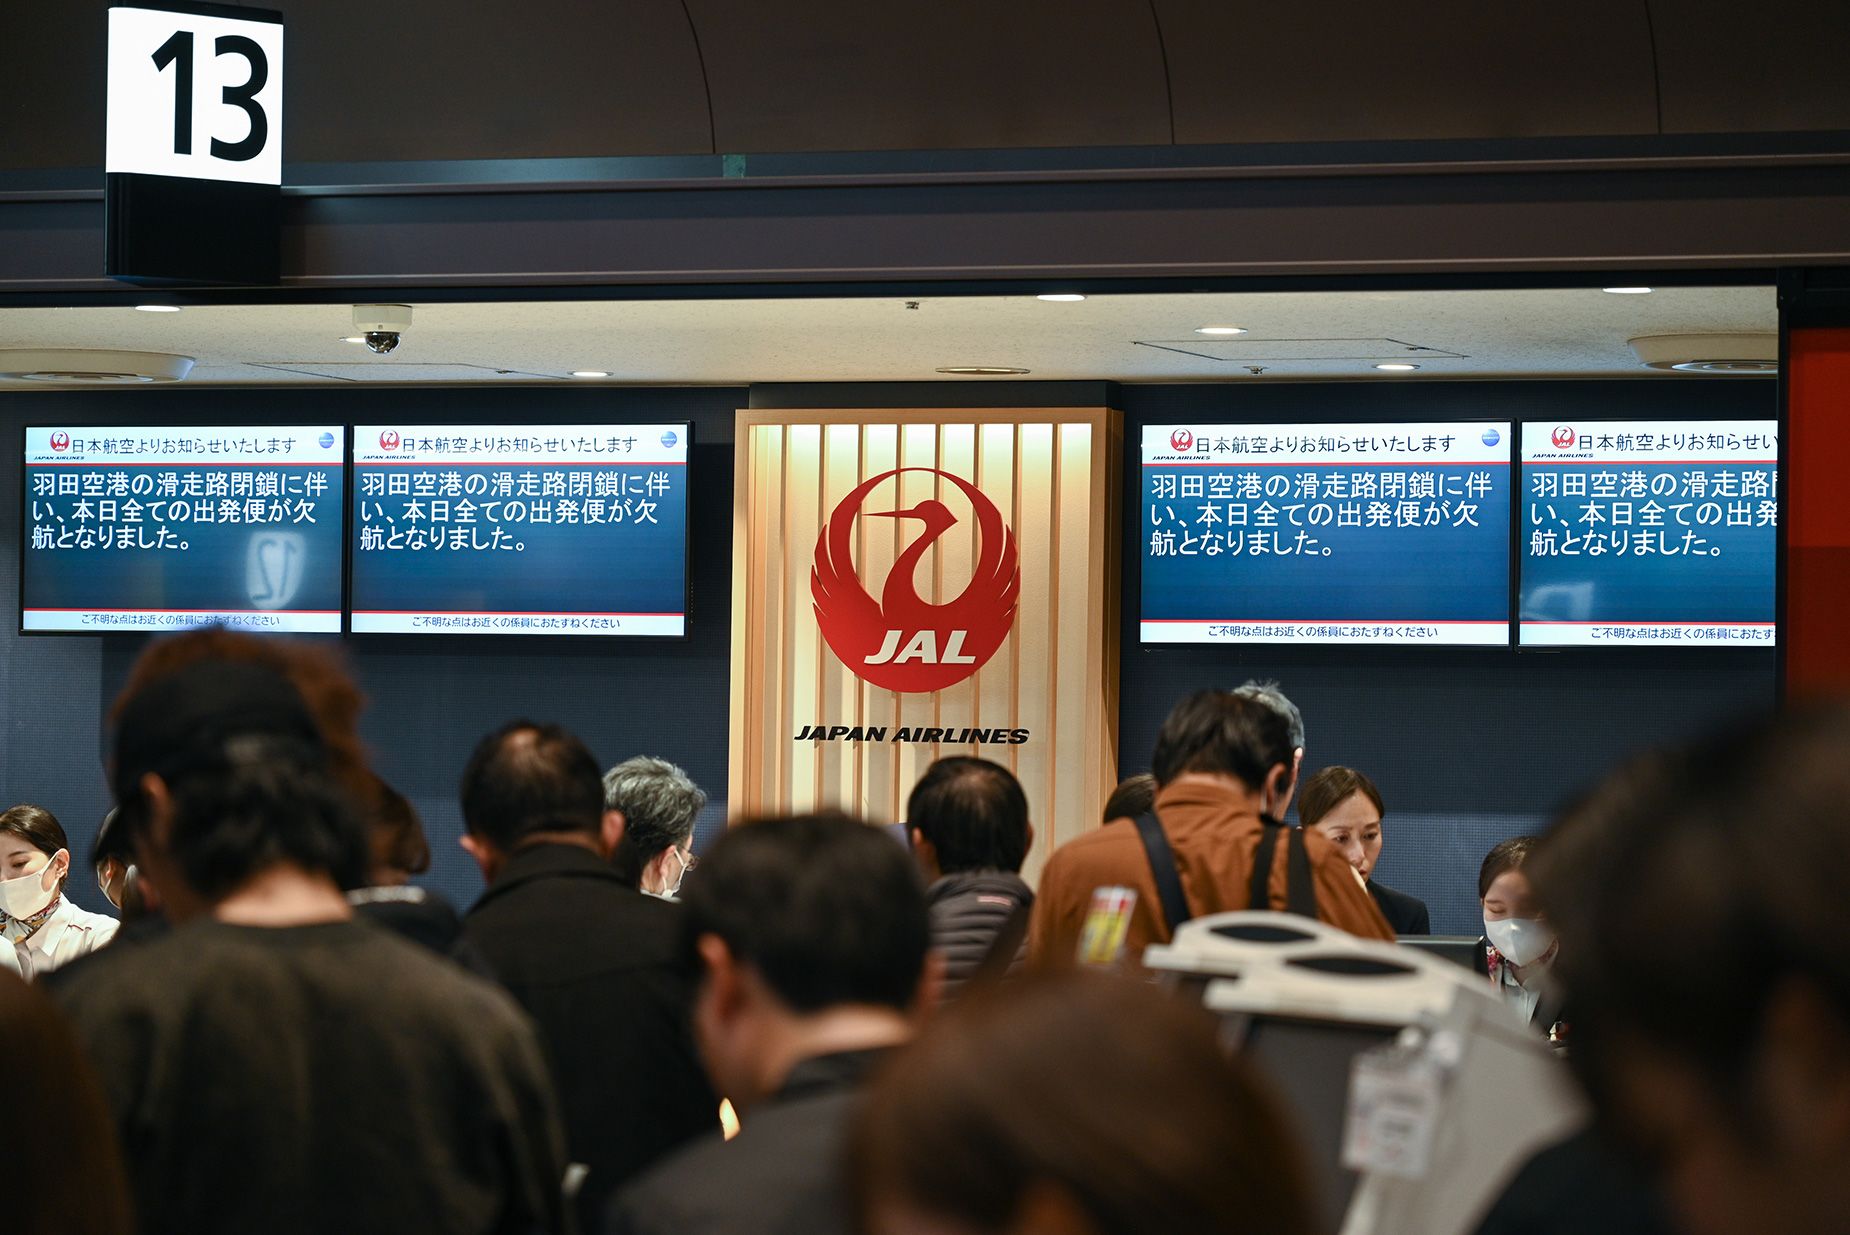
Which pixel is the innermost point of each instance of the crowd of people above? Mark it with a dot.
(811, 1028)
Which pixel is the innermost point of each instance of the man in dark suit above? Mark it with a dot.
(812, 938)
(591, 959)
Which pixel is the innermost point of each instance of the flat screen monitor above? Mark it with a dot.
(1360, 534)
(520, 529)
(1648, 533)
(1465, 951)
(151, 529)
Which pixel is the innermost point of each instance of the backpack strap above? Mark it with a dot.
(1300, 890)
(1163, 869)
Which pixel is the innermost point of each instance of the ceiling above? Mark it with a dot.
(1561, 333)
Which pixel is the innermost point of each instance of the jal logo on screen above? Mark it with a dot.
(60, 442)
(1181, 441)
(389, 440)
(1564, 437)
(900, 641)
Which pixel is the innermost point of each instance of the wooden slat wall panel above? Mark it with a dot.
(1052, 473)
(955, 705)
(879, 545)
(995, 475)
(1034, 702)
(841, 772)
(918, 447)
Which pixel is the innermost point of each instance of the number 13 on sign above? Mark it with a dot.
(196, 91)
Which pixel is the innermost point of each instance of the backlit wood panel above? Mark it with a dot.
(1052, 476)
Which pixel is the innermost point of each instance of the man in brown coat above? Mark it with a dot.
(1225, 767)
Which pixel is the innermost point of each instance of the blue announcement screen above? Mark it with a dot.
(136, 529)
(1382, 533)
(520, 529)
(1649, 533)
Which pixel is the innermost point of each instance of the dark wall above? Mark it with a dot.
(492, 79)
(1468, 745)
(430, 699)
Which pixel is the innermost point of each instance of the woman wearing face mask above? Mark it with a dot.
(1518, 947)
(1345, 806)
(44, 928)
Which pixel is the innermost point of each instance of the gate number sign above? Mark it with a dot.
(196, 94)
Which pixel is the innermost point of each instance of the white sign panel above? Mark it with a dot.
(510, 446)
(1437, 443)
(196, 94)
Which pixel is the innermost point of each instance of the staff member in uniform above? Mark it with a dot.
(1518, 949)
(1345, 806)
(44, 929)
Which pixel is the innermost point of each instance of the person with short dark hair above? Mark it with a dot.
(812, 940)
(397, 849)
(116, 876)
(273, 1064)
(41, 926)
(1345, 806)
(1033, 1109)
(1214, 842)
(655, 804)
(1132, 797)
(1698, 894)
(970, 832)
(591, 959)
(1518, 947)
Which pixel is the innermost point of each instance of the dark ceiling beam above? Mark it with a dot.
(916, 223)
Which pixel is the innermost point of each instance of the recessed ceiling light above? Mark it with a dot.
(1060, 297)
(1220, 330)
(354, 338)
(589, 373)
(982, 370)
(1397, 367)
(157, 308)
(1627, 291)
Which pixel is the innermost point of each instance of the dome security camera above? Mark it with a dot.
(381, 325)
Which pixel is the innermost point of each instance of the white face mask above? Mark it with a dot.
(27, 895)
(673, 892)
(1522, 941)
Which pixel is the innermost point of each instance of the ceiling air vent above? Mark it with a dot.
(89, 367)
(1709, 353)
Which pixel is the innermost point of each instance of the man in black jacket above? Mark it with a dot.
(970, 832)
(591, 959)
(811, 937)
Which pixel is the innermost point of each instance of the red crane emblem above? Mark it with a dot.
(902, 642)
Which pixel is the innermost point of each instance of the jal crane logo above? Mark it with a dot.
(389, 440)
(61, 441)
(1181, 441)
(901, 641)
(1564, 437)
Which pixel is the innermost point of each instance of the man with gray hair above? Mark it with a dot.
(1269, 694)
(651, 804)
